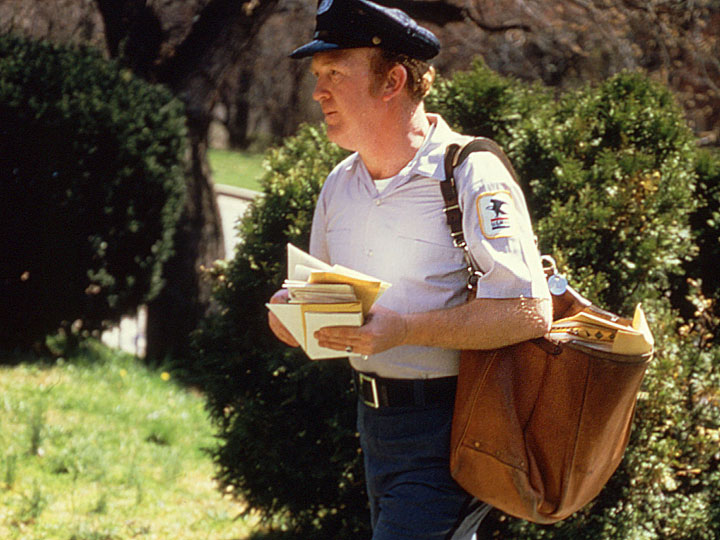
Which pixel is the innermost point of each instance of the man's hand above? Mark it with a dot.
(280, 297)
(383, 329)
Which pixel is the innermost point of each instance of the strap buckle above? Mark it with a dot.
(366, 379)
(458, 239)
(473, 277)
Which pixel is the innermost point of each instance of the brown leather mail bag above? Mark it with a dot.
(539, 427)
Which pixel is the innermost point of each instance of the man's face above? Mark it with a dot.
(343, 85)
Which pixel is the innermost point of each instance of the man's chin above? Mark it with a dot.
(335, 135)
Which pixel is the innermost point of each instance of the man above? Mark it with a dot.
(381, 212)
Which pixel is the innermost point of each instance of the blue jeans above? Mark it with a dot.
(407, 472)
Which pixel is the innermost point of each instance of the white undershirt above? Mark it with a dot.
(382, 184)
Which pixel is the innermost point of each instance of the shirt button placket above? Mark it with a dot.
(368, 235)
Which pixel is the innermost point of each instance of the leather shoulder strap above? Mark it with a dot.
(454, 156)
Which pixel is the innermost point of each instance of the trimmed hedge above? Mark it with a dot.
(610, 173)
(91, 179)
(286, 425)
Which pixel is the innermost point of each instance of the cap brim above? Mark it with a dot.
(315, 46)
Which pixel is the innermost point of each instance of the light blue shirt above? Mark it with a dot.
(401, 236)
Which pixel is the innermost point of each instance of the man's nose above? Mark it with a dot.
(320, 92)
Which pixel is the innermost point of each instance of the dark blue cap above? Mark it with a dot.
(347, 24)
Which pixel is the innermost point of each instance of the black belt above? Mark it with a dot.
(379, 392)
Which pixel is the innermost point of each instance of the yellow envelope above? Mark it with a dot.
(366, 291)
(638, 341)
(616, 336)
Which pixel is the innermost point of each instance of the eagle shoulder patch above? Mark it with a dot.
(496, 213)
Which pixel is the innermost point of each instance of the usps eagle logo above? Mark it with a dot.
(496, 212)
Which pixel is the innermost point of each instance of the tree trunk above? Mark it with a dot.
(185, 297)
(190, 46)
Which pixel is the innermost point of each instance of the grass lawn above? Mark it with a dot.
(99, 447)
(234, 168)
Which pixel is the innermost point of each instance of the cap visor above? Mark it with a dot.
(313, 47)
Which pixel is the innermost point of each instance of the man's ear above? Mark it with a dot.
(394, 82)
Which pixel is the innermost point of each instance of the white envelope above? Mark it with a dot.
(303, 328)
(315, 320)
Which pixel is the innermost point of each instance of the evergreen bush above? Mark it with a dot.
(706, 221)
(611, 198)
(616, 206)
(91, 181)
(483, 103)
(286, 425)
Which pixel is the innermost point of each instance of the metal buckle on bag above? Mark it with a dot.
(362, 379)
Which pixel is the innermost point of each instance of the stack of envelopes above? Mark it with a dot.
(322, 295)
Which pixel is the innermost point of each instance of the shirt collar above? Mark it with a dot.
(429, 160)
(430, 157)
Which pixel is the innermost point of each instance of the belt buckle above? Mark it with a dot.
(375, 403)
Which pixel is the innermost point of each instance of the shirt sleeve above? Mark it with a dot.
(497, 228)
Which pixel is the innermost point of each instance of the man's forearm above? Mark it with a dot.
(483, 323)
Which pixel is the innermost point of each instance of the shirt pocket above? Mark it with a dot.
(436, 274)
(430, 259)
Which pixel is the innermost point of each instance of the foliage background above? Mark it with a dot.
(91, 177)
(619, 192)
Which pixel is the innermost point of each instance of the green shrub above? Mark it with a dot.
(616, 206)
(91, 165)
(286, 425)
(610, 197)
(483, 103)
(706, 221)
(515, 114)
